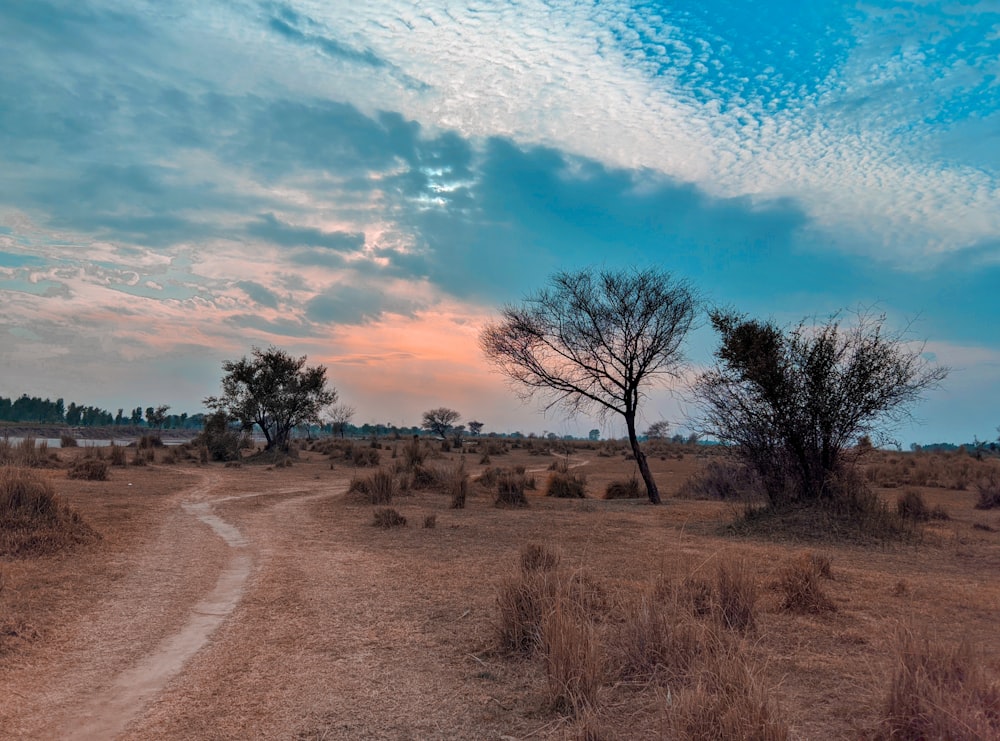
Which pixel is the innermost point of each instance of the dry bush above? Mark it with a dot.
(559, 465)
(362, 456)
(654, 642)
(988, 489)
(457, 485)
(414, 454)
(564, 485)
(89, 469)
(727, 701)
(801, 592)
(31, 520)
(25, 454)
(430, 522)
(379, 487)
(911, 506)
(735, 603)
(939, 691)
(67, 441)
(722, 479)
(150, 441)
(574, 662)
(387, 517)
(537, 557)
(523, 599)
(116, 455)
(510, 490)
(623, 489)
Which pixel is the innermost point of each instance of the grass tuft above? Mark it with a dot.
(387, 518)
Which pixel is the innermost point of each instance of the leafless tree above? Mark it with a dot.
(596, 340)
(341, 416)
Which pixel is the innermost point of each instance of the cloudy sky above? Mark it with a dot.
(366, 182)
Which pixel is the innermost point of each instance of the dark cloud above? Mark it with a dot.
(260, 294)
(271, 229)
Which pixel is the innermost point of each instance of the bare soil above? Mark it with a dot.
(259, 602)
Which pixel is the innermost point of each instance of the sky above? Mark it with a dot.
(367, 183)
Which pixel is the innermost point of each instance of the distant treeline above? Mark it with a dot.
(35, 410)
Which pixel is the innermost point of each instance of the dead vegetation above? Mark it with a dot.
(32, 520)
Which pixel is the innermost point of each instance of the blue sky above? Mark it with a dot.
(366, 183)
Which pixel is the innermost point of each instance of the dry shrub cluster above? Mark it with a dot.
(566, 485)
(31, 520)
(457, 485)
(116, 455)
(592, 644)
(67, 441)
(387, 518)
(510, 489)
(25, 454)
(800, 586)
(953, 470)
(911, 506)
(939, 691)
(88, 469)
(379, 487)
(623, 489)
(724, 479)
(988, 489)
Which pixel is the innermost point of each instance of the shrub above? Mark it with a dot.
(736, 596)
(25, 454)
(566, 485)
(522, 601)
(911, 506)
(219, 439)
(67, 441)
(574, 664)
(537, 557)
(654, 642)
(387, 517)
(457, 485)
(623, 489)
(939, 691)
(363, 456)
(89, 469)
(988, 489)
(727, 701)
(31, 520)
(510, 490)
(413, 454)
(726, 480)
(116, 455)
(150, 441)
(430, 522)
(800, 587)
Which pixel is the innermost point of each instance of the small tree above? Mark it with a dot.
(658, 430)
(274, 391)
(475, 428)
(440, 421)
(156, 417)
(340, 417)
(596, 340)
(794, 402)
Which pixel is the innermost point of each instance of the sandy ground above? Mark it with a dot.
(235, 603)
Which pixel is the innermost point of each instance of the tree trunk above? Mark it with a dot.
(640, 459)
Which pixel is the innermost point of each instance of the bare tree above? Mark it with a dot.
(596, 340)
(794, 402)
(274, 391)
(440, 421)
(341, 416)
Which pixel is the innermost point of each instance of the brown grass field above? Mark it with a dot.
(261, 601)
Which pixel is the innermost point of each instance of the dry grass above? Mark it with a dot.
(32, 521)
(566, 485)
(988, 488)
(388, 518)
(801, 590)
(623, 489)
(88, 469)
(26, 454)
(939, 690)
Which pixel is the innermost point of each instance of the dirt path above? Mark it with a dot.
(183, 585)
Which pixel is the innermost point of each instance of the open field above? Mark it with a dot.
(261, 602)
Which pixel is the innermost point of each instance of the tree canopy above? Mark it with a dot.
(440, 421)
(792, 402)
(596, 340)
(274, 391)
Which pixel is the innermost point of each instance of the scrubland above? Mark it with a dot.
(399, 590)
